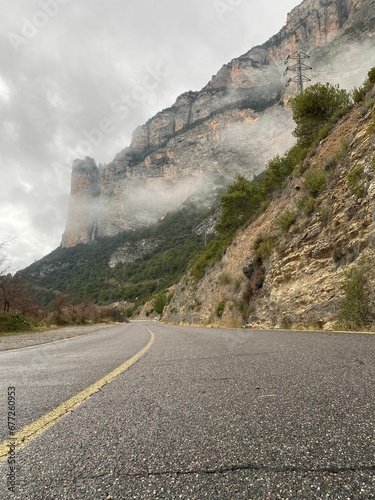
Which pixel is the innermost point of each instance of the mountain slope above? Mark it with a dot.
(234, 124)
(190, 151)
(128, 267)
(322, 242)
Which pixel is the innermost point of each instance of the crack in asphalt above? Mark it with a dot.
(254, 467)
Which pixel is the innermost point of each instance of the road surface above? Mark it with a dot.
(204, 413)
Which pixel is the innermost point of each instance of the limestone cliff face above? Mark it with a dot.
(83, 203)
(234, 124)
(300, 284)
(130, 252)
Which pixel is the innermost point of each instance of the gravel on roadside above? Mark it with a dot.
(36, 338)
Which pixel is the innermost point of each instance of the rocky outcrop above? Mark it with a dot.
(234, 124)
(301, 283)
(128, 253)
(84, 204)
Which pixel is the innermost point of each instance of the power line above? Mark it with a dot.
(298, 67)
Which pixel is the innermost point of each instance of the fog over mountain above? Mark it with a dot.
(66, 64)
(237, 122)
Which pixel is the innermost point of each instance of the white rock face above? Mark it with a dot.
(236, 123)
(130, 252)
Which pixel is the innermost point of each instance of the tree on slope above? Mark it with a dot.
(315, 107)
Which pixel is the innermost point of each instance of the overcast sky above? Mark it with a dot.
(67, 68)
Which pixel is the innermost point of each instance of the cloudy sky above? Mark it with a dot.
(67, 68)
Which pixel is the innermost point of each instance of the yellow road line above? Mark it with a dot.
(32, 431)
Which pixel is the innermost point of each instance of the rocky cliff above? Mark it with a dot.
(234, 124)
(300, 282)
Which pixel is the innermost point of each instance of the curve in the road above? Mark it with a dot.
(32, 431)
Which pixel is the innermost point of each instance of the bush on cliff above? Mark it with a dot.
(315, 107)
(354, 312)
(238, 204)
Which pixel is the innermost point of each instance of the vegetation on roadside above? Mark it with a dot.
(76, 285)
(354, 311)
(14, 323)
(161, 300)
(220, 309)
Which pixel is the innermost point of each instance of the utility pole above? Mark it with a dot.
(298, 67)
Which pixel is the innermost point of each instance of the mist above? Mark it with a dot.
(61, 85)
(348, 67)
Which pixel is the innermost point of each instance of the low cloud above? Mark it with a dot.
(348, 67)
(82, 57)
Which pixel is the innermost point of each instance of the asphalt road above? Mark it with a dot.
(205, 413)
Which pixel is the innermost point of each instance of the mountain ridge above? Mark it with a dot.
(227, 127)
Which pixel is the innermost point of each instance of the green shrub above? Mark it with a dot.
(245, 309)
(371, 127)
(371, 75)
(224, 279)
(314, 108)
(315, 181)
(160, 301)
(211, 254)
(323, 133)
(331, 163)
(238, 205)
(220, 309)
(306, 204)
(353, 311)
(355, 181)
(14, 323)
(264, 247)
(286, 221)
(342, 152)
(129, 311)
(358, 93)
(243, 202)
(324, 215)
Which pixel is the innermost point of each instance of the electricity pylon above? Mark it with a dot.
(298, 67)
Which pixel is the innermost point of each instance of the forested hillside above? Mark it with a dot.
(84, 273)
